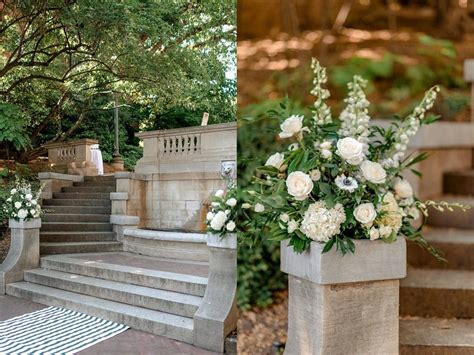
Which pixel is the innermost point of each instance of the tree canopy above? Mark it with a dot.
(60, 61)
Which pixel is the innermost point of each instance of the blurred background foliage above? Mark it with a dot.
(401, 47)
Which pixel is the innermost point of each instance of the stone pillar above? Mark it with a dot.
(344, 304)
(24, 253)
(217, 316)
(122, 222)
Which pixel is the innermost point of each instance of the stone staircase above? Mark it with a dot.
(77, 219)
(158, 296)
(149, 289)
(437, 300)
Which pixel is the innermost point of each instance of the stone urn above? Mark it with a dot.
(344, 304)
(24, 253)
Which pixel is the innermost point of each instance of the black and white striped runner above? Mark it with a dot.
(54, 331)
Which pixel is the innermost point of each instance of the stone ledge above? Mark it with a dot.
(25, 224)
(59, 176)
(373, 260)
(228, 242)
(119, 196)
(166, 236)
(124, 220)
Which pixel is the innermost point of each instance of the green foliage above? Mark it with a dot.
(13, 126)
(161, 57)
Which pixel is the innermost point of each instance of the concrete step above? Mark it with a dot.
(88, 189)
(81, 195)
(99, 178)
(49, 248)
(69, 217)
(167, 244)
(428, 336)
(437, 293)
(459, 182)
(76, 202)
(78, 209)
(129, 272)
(457, 245)
(95, 184)
(75, 227)
(158, 300)
(456, 219)
(74, 237)
(155, 322)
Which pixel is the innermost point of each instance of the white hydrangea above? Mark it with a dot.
(218, 221)
(321, 223)
(22, 213)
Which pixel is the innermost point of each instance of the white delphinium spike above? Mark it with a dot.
(408, 128)
(355, 117)
(322, 113)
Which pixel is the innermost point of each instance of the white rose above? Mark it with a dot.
(365, 213)
(17, 204)
(13, 191)
(231, 202)
(28, 196)
(351, 150)
(292, 226)
(259, 208)
(246, 206)
(299, 185)
(374, 234)
(403, 188)
(218, 221)
(326, 154)
(291, 126)
(284, 217)
(276, 160)
(315, 175)
(230, 226)
(22, 214)
(373, 172)
(326, 145)
(385, 231)
(219, 193)
(209, 216)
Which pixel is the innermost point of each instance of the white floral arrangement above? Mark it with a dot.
(221, 218)
(341, 178)
(22, 204)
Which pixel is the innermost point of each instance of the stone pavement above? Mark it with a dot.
(129, 342)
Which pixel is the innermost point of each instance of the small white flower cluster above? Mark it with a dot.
(22, 204)
(355, 117)
(408, 129)
(322, 112)
(321, 223)
(221, 217)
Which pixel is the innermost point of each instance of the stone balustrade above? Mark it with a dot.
(180, 169)
(74, 156)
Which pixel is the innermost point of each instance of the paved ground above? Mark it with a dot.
(129, 342)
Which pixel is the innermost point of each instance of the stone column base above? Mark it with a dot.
(354, 318)
(24, 253)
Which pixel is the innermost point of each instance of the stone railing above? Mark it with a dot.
(180, 169)
(75, 156)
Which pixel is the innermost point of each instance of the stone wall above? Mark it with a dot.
(179, 171)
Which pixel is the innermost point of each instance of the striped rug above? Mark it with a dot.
(54, 331)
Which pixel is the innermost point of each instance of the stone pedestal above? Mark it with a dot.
(24, 253)
(217, 316)
(344, 304)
